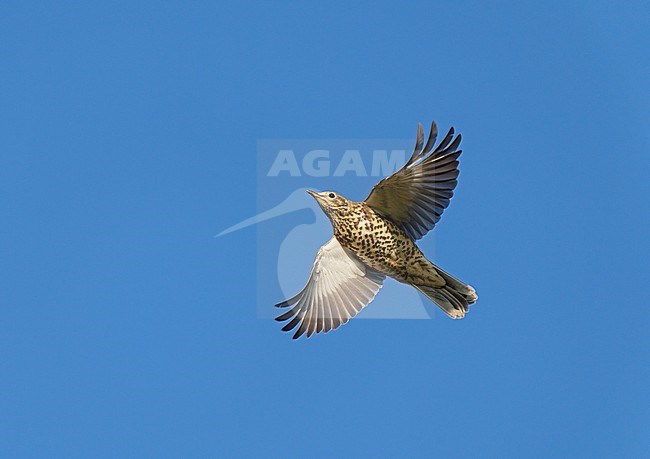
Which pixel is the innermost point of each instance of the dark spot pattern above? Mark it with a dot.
(382, 245)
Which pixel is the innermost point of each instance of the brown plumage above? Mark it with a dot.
(376, 238)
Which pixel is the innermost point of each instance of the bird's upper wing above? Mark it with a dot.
(415, 196)
(339, 286)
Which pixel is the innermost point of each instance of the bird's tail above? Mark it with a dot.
(454, 297)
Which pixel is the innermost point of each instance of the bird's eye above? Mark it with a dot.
(331, 195)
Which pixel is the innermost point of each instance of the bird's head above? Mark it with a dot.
(332, 203)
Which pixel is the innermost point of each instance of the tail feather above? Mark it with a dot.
(459, 286)
(454, 298)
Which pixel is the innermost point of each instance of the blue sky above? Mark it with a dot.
(128, 139)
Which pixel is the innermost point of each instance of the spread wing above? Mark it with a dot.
(415, 196)
(339, 286)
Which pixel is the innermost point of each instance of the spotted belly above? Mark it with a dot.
(383, 246)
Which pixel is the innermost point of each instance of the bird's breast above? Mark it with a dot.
(377, 242)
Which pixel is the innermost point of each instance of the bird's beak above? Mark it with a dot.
(319, 199)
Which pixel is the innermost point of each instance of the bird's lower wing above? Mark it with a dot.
(339, 286)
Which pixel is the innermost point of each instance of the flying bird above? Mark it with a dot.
(376, 238)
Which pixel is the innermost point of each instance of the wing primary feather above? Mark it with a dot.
(445, 141)
(291, 324)
(300, 311)
(417, 151)
(313, 317)
(433, 135)
(309, 310)
(305, 326)
(320, 323)
(301, 319)
(452, 147)
(290, 301)
(444, 159)
(327, 301)
(286, 316)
